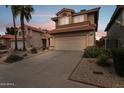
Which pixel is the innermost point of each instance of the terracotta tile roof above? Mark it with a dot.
(19, 39)
(7, 36)
(34, 29)
(116, 12)
(73, 29)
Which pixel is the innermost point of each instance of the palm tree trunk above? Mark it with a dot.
(23, 33)
(16, 47)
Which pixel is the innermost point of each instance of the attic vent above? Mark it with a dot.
(83, 10)
(64, 14)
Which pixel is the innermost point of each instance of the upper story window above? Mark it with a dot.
(20, 33)
(64, 21)
(78, 19)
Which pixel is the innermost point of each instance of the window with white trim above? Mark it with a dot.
(64, 21)
(78, 19)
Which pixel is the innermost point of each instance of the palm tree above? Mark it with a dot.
(25, 12)
(14, 10)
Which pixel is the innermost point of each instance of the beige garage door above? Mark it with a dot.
(70, 43)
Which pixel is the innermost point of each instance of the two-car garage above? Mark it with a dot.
(70, 43)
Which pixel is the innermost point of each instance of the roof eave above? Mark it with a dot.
(86, 29)
(65, 9)
(97, 17)
(113, 16)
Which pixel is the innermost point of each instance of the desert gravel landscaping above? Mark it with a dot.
(87, 71)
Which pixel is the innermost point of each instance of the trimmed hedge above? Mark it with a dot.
(118, 57)
(13, 58)
(93, 52)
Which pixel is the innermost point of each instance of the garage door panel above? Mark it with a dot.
(70, 43)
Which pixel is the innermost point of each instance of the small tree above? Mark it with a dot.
(10, 30)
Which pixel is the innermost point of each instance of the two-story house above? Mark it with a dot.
(115, 28)
(74, 30)
(34, 37)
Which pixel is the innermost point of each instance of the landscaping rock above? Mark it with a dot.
(103, 77)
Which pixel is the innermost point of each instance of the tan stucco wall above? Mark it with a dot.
(36, 39)
(91, 39)
(87, 17)
(67, 13)
(90, 17)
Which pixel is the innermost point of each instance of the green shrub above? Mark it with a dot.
(91, 52)
(106, 52)
(118, 57)
(13, 58)
(103, 60)
(33, 50)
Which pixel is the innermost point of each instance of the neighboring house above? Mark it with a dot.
(100, 34)
(34, 37)
(5, 40)
(74, 31)
(101, 42)
(115, 28)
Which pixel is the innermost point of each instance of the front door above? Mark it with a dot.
(44, 44)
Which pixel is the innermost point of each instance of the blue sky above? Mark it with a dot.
(43, 13)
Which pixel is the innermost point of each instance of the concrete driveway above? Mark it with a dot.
(50, 69)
